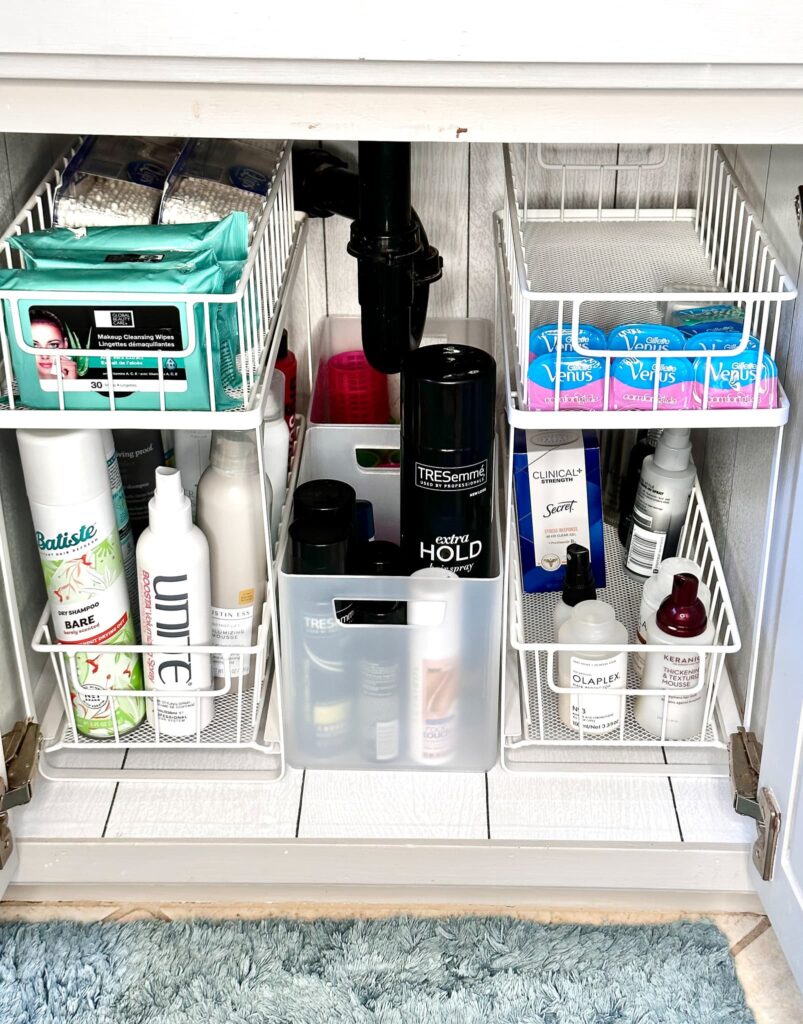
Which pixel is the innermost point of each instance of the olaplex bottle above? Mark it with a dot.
(232, 517)
(592, 622)
(662, 500)
(681, 622)
(447, 459)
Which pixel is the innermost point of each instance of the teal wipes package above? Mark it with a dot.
(732, 379)
(633, 377)
(200, 259)
(545, 339)
(582, 382)
(228, 239)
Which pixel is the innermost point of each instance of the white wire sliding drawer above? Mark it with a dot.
(226, 716)
(617, 241)
(540, 720)
(240, 712)
(188, 384)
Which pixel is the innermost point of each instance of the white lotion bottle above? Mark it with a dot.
(127, 545)
(662, 500)
(191, 452)
(659, 587)
(592, 622)
(174, 606)
(231, 515)
(680, 622)
(434, 667)
(276, 451)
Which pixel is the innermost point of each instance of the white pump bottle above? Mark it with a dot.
(175, 608)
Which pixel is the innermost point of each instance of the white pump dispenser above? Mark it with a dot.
(662, 500)
(175, 608)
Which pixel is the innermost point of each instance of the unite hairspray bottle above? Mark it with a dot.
(447, 459)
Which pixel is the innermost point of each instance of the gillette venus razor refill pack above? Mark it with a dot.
(556, 476)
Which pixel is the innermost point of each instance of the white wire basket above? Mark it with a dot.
(246, 703)
(614, 242)
(237, 706)
(259, 294)
(531, 628)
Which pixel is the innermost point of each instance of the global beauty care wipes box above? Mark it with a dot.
(556, 476)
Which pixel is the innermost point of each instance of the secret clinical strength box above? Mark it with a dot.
(556, 478)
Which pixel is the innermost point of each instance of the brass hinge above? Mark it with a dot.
(21, 750)
(754, 801)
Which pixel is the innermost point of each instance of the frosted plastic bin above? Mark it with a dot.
(386, 696)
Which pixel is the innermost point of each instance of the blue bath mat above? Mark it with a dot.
(402, 970)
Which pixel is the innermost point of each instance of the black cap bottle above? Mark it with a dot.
(448, 396)
(321, 551)
(378, 558)
(327, 504)
(578, 585)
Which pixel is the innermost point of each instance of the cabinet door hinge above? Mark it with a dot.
(755, 802)
(21, 749)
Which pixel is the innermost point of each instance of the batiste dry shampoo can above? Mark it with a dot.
(447, 459)
(79, 547)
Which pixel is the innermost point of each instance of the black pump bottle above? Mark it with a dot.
(448, 395)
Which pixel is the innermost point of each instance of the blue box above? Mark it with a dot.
(556, 480)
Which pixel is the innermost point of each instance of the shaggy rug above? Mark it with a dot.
(402, 970)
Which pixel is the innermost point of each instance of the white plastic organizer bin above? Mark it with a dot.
(386, 696)
(535, 669)
(249, 311)
(612, 242)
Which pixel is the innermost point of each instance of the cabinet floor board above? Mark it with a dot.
(581, 807)
(69, 809)
(204, 810)
(706, 814)
(398, 805)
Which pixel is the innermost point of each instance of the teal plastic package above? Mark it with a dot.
(192, 258)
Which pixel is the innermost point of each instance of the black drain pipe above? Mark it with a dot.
(396, 262)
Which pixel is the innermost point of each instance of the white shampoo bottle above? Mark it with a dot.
(174, 607)
(276, 451)
(231, 515)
